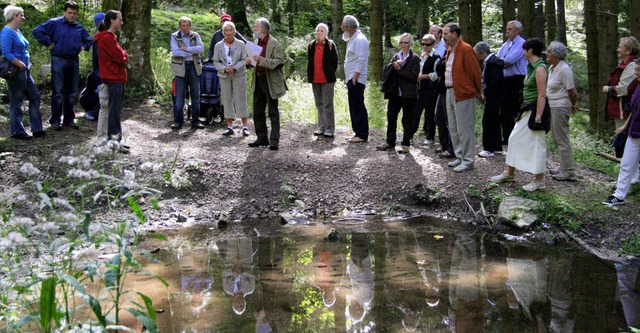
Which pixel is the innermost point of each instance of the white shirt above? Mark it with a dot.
(357, 57)
(560, 81)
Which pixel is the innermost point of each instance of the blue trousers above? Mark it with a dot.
(192, 80)
(64, 84)
(20, 87)
(357, 110)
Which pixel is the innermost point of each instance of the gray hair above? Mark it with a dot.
(429, 37)
(482, 47)
(350, 21)
(516, 24)
(10, 12)
(185, 19)
(407, 36)
(228, 24)
(558, 50)
(322, 25)
(264, 23)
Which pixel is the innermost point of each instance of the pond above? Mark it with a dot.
(389, 280)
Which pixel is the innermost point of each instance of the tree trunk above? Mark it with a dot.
(276, 15)
(562, 22)
(423, 22)
(375, 25)
(591, 31)
(135, 38)
(550, 14)
(475, 32)
(387, 31)
(237, 10)
(527, 16)
(634, 18)
(464, 19)
(607, 58)
(540, 21)
(291, 12)
(508, 14)
(337, 13)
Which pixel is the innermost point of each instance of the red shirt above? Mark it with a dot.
(318, 71)
(263, 43)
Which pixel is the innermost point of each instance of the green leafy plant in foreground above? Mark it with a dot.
(50, 282)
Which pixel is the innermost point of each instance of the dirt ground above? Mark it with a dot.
(322, 178)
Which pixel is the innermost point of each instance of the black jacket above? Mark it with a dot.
(492, 78)
(428, 86)
(407, 75)
(329, 60)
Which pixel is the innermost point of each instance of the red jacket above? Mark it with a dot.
(620, 89)
(467, 77)
(111, 57)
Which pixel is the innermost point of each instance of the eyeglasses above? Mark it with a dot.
(425, 44)
(403, 43)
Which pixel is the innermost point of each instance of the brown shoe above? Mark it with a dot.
(385, 147)
(356, 139)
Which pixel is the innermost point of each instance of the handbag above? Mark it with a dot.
(545, 123)
(619, 142)
(7, 70)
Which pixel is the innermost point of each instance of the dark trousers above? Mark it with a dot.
(442, 122)
(512, 90)
(393, 110)
(357, 110)
(262, 99)
(192, 80)
(116, 99)
(491, 135)
(64, 88)
(426, 102)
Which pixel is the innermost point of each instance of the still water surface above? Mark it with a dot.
(392, 281)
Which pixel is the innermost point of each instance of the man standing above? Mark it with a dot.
(186, 65)
(515, 68)
(219, 35)
(440, 48)
(492, 78)
(356, 63)
(65, 38)
(268, 85)
(463, 80)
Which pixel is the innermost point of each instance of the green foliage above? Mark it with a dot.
(557, 210)
(631, 245)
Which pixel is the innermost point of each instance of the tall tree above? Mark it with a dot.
(136, 40)
(276, 15)
(527, 16)
(550, 14)
(607, 58)
(238, 11)
(337, 14)
(634, 18)
(562, 22)
(591, 30)
(539, 20)
(464, 18)
(475, 27)
(387, 30)
(375, 26)
(423, 19)
(508, 14)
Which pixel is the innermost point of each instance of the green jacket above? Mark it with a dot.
(274, 63)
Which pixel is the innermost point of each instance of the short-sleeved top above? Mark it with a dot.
(530, 91)
(560, 81)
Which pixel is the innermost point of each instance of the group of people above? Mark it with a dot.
(66, 38)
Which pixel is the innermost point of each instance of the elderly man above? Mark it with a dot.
(356, 63)
(66, 38)
(268, 85)
(219, 35)
(186, 65)
(492, 78)
(463, 82)
(515, 68)
(439, 47)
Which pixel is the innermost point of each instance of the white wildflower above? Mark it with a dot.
(21, 197)
(29, 170)
(63, 203)
(70, 218)
(151, 166)
(85, 174)
(95, 228)
(48, 227)
(16, 238)
(101, 150)
(5, 245)
(130, 179)
(22, 222)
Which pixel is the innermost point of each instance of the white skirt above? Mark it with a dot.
(527, 149)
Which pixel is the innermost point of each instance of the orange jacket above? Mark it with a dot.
(467, 77)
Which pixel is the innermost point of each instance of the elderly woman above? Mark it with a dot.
(14, 49)
(528, 149)
(631, 155)
(406, 67)
(229, 59)
(427, 89)
(562, 95)
(321, 73)
(620, 79)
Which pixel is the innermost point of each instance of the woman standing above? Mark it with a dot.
(427, 89)
(563, 99)
(620, 80)
(229, 59)
(631, 155)
(112, 59)
(406, 67)
(321, 72)
(14, 49)
(528, 149)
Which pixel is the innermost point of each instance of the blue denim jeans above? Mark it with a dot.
(358, 110)
(116, 98)
(20, 87)
(192, 80)
(64, 85)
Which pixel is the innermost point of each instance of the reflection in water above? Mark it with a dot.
(395, 282)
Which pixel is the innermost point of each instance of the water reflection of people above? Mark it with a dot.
(328, 270)
(361, 277)
(466, 312)
(238, 279)
(627, 277)
(196, 278)
(559, 293)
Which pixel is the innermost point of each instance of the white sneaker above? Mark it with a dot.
(502, 178)
(534, 186)
(486, 153)
(427, 143)
(454, 163)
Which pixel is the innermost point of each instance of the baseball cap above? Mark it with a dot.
(225, 17)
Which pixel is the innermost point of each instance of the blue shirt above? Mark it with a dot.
(191, 50)
(14, 45)
(514, 61)
(67, 37)
(441, 49)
